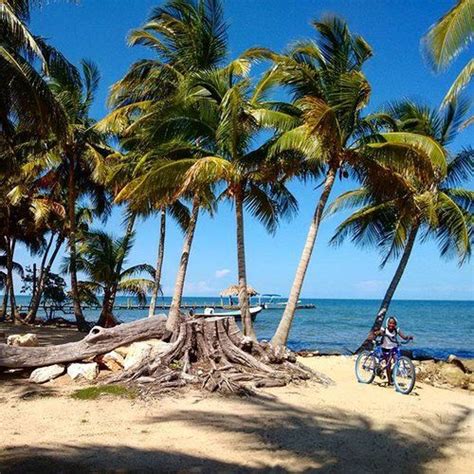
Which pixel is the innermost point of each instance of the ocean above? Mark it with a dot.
(440, 328)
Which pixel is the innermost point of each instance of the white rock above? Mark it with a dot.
(45, 374)
(87, 371)
(137, 354)
(113, 361)
(139, 351)
(24, 340)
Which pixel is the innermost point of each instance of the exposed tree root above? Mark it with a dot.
(212, 354)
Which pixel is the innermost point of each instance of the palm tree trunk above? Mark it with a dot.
(78, 314)
(173, 315)
(243, 294)
(44, 272)
(10, 250)
(379, 319)
(106, 318)
(280, 337)
(159, 263)
(5, 301)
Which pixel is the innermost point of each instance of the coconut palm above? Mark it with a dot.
(100, 257)
(330, 89)
(5, 279)
(229, 116)
(78, 159)
(437, 208)
(186, 36)
(445, 41)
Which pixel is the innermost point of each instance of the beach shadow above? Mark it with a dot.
(73, 459)
(325, 440)
(333, 439)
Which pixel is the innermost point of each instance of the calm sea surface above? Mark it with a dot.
(440, 327)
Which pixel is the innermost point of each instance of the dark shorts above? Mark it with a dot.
(387, 354)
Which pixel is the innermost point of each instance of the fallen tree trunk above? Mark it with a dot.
(210, 353)
(98, 341)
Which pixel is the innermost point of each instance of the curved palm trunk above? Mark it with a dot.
(5, 301)
(78, 314)
(280, 337)
(173, 315)
(243, 294)
(379, 319)
(107, 318)
(159, 263)
(10, 250)
(44, 272)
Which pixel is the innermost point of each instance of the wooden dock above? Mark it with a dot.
(69, 308)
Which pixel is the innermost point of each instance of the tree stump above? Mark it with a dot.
(209, 353)
(212, 353)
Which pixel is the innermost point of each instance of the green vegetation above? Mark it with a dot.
(95, 392)
(189, 128)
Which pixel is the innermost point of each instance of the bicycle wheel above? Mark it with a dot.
(365, 367)
(404, 375)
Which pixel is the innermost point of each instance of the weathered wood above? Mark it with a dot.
(98, 341)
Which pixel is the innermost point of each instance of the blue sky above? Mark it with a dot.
(96, 29)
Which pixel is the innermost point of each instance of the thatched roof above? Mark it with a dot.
(233, 290)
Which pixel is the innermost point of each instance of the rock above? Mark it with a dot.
(87, 371)
(137, 354)
(453, 375)
(468, 365)
(139, 351)
(113, 361)
(24, 340)
(122, 350)
(45, 374)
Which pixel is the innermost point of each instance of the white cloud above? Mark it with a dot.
(198, 288)
(222, 273)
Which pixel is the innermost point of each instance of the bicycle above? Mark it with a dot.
(371, 363)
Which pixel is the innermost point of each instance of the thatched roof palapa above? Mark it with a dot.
(233, 290)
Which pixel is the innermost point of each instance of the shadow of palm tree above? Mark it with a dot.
(333, 440)
(324, 440)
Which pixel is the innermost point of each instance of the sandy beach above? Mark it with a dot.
(346, 427)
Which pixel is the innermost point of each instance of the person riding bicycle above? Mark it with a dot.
(390, 343)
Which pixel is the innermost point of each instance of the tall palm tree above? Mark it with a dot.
(437, 208)
(330, 89)
(445, 41)
(180, 213)
(186, 36)
(230, 117)
(79, 157)
(326, 81)
(101, 257)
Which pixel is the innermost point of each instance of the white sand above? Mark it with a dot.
(344, 428)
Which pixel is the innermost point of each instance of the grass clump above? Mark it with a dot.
(93, 393)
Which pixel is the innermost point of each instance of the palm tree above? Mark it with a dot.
(5, 280)
(327, 83)
(437, 208)
(100, 257)
(80, 157)
(180, 213)
(330, 89)
(230, 116)
(186, 36)
(445, 41)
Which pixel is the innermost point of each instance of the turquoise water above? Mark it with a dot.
(440, 327)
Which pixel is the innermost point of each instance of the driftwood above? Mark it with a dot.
(209, 353)
(98, 341)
